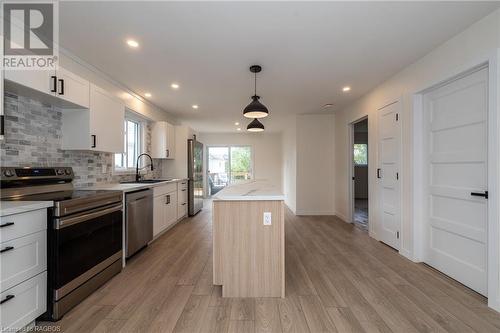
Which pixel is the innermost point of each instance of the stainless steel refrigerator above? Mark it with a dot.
(195, 175)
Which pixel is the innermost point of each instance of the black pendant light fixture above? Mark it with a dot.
(255, 126)
(255, 109)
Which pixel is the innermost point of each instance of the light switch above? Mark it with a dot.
(267, 218)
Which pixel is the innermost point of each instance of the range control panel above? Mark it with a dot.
(30, 173)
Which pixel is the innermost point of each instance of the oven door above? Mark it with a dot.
(83, 245)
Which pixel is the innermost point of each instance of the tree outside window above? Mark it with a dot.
(360, 154)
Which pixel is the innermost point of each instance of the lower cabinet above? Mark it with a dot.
(23, 273)
(164, 211)
(182, 199)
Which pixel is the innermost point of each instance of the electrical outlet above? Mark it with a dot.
(267, 218)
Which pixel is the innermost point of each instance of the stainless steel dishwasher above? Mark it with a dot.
(139, 220)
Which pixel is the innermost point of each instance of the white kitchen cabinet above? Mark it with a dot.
(23, 273)
(163, 140)
(182, 199)
(2, 116)
(72, 88)
(99, 128)
(61, 88)
(165, 207)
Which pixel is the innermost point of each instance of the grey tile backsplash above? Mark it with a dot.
(33, 138)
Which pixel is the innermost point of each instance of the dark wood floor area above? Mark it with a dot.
(337, 280)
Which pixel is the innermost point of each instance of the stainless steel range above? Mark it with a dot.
(84, 232)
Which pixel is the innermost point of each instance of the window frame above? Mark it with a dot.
(141, 137)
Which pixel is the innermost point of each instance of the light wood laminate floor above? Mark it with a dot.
(337, 280)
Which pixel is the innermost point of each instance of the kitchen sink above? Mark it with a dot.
(146, 181)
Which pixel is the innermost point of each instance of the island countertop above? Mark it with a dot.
(257, 190)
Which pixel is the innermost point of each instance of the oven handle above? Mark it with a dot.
(66, 222)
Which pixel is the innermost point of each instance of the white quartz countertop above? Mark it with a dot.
(253, 190)
(131, 187)
(16, 207)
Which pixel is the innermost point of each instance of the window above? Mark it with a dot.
(360, 154)
(227, 165)
(132, 145)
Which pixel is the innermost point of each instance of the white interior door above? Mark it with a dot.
(388, 175)
(456, 118)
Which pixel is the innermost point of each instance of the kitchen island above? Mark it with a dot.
(248, 240)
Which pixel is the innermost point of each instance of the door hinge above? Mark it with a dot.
(397, 234)
(397, 116)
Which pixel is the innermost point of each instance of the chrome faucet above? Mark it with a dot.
(137, 175)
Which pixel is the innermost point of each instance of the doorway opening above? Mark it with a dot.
(360, 173)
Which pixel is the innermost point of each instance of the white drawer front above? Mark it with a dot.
(164, 189)
(183, 184)
(28, 302)
(19, 225)
(182, 210)
(22, 258)
(182, 195)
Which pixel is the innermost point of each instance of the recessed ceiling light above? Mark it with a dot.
(147, 94)
(132, 43)
(329, 105)
(195, 106)
(236, 123)
(238, 129)
(174, 86)
(346, 89)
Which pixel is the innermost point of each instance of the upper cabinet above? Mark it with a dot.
(99, 128)
(163, 140)
(61, 87)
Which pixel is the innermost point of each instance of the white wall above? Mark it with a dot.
(459, 53)
(315, 165)
(266, 148)
(290, 164)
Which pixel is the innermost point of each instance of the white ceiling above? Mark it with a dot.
(308, 51)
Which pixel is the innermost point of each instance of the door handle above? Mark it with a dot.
(167, 201)
(7, 298)
(8, 248)
(61, 90)
(54, 83)
(94, 141)
(168, 153)
(378, 173)
(480, 194)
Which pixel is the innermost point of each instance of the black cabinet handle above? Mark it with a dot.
(168, 153)
(7, 298)
(378, 173)
(480, 194)
(94, 141)
(2, 124)
(6, 224)
(8, 248)
(167, 201)
(183, 204)
(54, 83)
(61, 90)
(183, 190)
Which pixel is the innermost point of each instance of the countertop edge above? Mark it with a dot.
(131, 187)
(18, 207)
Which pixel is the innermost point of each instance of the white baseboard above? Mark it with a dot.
(342, 217)
(315, 213)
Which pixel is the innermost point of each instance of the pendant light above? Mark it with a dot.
(255, 109)
(255, 126)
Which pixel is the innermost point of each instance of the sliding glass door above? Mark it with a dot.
(228, 165)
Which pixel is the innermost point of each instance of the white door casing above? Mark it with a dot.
(389, 175)
(455, 173)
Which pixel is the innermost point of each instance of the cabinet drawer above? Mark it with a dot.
(183, 184)
(23, 303)
(164, 189)
(182, 196)
(182, 210)
(19, 225)
(22, 258)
